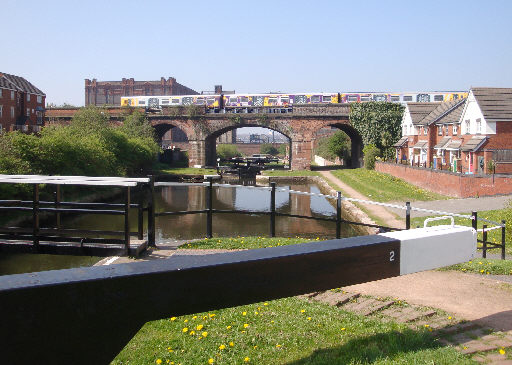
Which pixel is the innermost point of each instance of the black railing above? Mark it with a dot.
(486, 244)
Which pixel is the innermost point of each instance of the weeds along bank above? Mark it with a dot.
(89, 145)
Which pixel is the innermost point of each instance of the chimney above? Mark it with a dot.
(218, 89)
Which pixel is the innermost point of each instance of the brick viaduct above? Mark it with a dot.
(300, 126)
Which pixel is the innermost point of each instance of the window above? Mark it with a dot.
(445, 129)
(285, 100)
(395, 99)
(1, 111)
(175, 101)
(234, 100)
(352, 98)
(12, 95)
(438, 98)
(455, 129)
(327, 98)
(210, 101)
(142, 102)
(365, 98)
(478, 126)
(39, 99)
(407, 97)
(439, 130)
(466, 122)
(1, 92)
(165, 101)
(244, 99)
(315, 98)
(28, 97)
(425, 129)
(12, 112)
(28, 112)
(272, 101)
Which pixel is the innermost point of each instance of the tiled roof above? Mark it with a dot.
(474, 144)
(495, 103)
(5, 84)
(421, 144)
(453, 145)
(448, 112)
(419, 111)
(401, 142)
(442, 142)
(21, 84)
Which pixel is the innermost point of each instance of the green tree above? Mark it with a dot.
(268, 149)
(227, 151)
(336, 145)
(370, 152)
(378, 123)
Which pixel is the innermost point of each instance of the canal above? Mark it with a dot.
(192, 226)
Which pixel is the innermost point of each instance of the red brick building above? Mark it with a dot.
(461, 135)
(21, 104)
(110, 92)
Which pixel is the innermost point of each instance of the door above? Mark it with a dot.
(481, 164)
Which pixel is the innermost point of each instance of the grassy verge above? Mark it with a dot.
(289, 330)
(243, 242)
(492, 236)
(290, 173)
(484, 267)
(382, 187)
(186, 171)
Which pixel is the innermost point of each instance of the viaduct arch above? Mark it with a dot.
(300, 127)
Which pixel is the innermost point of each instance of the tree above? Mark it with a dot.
(268, 149)
(336, 145)
(227, 151)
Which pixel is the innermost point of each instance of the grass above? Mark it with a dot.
(243, 242)
(291, 330)
(382, 187)
(290, 173)
(187, 171)
(483, 267)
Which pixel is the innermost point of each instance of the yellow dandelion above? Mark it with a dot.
(502, 351)
(195, 317)
(199, 327)
(255, 347)
(158, 361)
(265, 303)
(343, 329)
(210, 361)
(204, 334)
(173, 319)
(302, 310)
(256, 313)
(278, 345)
(450, 317)
(184, 330)
(243, 331)
(427, 326)
(212, 315)
(309, 318)
(272, 322)
(185, 321)
(222, 347)
(228, 327)
(192, 333)
(247, 359)
(231, 344)
(244, 313)
(246, 325)
(205, 317)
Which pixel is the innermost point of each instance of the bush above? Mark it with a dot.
(268, 149)
(227, 151)
(370, 152)
(336, 145)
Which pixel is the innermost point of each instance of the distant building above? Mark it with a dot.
(110, 92)
(21, 104)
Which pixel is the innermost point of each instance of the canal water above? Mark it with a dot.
(191, 226)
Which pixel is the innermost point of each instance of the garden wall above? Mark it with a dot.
(449, 183)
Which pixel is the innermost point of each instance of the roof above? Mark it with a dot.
(401, 142)
(453, 145)
(442, 143)
(421, 144)
(445, 113)
(474, 144)
(20, 84)
(419, 111)
(494, 102)
(6, 84)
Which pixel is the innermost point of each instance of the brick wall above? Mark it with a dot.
(5, 101)
(20, 105)
(447, 183)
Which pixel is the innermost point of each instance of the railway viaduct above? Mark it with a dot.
(202, 129)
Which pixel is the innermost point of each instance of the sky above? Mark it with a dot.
(259, 46)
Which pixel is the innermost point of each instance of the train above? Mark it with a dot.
(282, 101)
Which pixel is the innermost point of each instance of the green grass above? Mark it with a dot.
(243, 242)
(492, 236)
(187, 171)
(291, 331)
(483, 267)
(382, 187)
(290, 173)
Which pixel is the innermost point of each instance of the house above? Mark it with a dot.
(21, 104)
(466, 135)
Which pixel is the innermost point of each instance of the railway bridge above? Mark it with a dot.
(300, 126)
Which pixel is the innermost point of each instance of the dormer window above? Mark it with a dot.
(467, 123)
(478, 126)
(439, 130)
(455, 130)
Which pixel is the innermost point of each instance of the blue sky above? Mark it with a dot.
(259, 46)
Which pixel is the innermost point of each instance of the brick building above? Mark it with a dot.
(21, 104)
(460, 135)
(110, 92)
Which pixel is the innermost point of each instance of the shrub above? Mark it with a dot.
(268, 149)
(370, 152)
(227, 151)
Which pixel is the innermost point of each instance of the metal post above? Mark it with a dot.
(140, 211)
(484, 243)
(475, 220)
(57, 206)
(209, 204)
(503, 240)
(407, 215)
(273, 209)
(127, 221)
(151, 211)
(338, 215)
(35, 216)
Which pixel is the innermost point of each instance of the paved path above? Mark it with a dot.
(377, 210)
